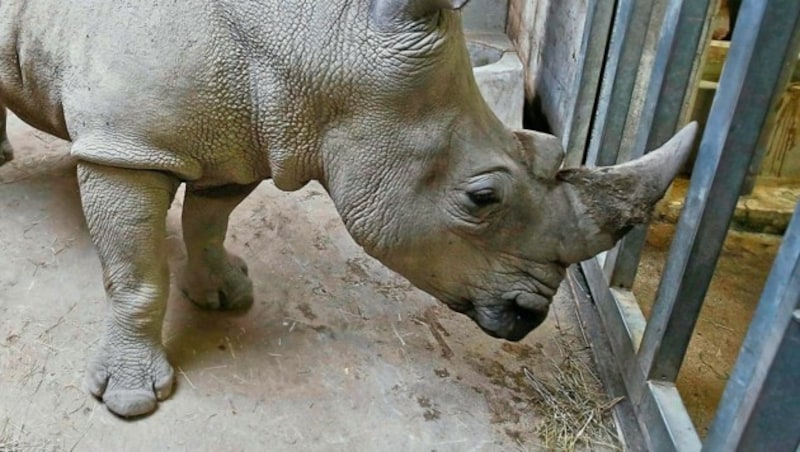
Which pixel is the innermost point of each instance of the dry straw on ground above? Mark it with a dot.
(8, 443)
(15, 438)
(576, 412)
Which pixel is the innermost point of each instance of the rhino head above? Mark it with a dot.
(433, 185)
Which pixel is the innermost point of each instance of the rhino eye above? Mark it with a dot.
(485, 192)
(483, 197)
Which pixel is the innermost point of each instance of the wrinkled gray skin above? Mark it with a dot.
(373, 98)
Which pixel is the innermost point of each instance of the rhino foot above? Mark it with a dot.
(130, 377)
(213, 278)
(6, 152)
(218, 284)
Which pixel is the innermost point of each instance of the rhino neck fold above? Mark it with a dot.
(368, 187)
(298, 62)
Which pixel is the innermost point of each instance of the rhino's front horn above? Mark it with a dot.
(389, 15)
(609, 201)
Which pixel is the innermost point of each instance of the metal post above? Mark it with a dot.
(766, 38)
(760, 409)
(683, 32)
(619, 76)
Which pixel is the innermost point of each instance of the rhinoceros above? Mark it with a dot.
(375, 99)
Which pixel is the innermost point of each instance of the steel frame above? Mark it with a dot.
(761, 403)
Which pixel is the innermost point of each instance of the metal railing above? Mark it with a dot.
(760, 409)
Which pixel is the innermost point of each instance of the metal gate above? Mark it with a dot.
(639, 104)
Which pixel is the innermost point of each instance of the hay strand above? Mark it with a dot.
(575, 411)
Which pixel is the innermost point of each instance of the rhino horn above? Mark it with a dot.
(542, 152)
(387, 14)
(609, 201)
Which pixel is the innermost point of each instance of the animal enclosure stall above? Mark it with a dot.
(639, 95)
(338, 352)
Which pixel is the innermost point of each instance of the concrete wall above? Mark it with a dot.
(485, 15)
(526, 28)
(548, 35)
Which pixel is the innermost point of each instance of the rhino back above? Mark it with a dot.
(209, 81)
(89, 58)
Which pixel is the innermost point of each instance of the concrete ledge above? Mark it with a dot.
(500, 75)
(767, 210)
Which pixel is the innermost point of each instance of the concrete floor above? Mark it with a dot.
(338, 352)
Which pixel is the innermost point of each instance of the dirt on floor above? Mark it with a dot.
(728, 308)
(338, 353)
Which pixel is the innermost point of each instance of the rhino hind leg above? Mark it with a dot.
(126, 214)
(213, 278)
(6, 152)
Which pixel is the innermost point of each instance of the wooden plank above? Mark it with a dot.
(715, 60)
(782, 160)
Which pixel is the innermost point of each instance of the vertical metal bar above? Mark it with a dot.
(669, 426)
(755, 167)
(760, 408)
(767, 36)
(662, 418)
(773, 422)
(619, 76)
(683, 34)
(587, 81)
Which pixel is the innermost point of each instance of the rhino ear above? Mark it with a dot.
(388, 15)
(609, 201)
(542, 152)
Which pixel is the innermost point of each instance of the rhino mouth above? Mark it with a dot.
(511, 321)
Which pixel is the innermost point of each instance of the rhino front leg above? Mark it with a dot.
(126, 214)
(6, 152)
(213, 278)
